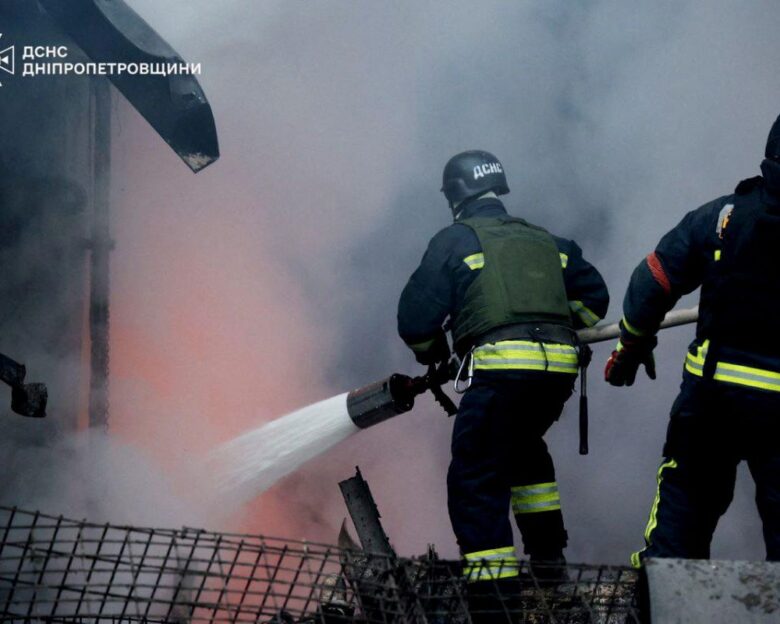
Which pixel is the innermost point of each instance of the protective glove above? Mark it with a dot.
(631, 351)
(439, 351)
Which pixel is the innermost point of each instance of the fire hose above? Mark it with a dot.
(379, 401)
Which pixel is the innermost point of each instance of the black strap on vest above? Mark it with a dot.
(537, 332)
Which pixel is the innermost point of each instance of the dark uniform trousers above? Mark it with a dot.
(499, 459)
(713, 427)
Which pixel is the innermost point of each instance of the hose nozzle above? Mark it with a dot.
(376, 402)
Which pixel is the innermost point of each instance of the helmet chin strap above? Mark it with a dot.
(454, 205)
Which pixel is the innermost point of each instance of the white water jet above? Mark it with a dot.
(251, 463)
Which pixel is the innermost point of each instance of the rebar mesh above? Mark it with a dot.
(61, 570)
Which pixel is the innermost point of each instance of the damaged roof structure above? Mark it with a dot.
(54, 567)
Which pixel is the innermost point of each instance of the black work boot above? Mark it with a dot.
(494, 602)
(549, 570)
(545, 538)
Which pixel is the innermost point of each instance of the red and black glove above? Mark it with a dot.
(439, 351)
(631, 351)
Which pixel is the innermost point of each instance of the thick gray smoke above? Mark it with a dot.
(46, 202)
(335, 119)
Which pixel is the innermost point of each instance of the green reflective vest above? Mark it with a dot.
(521, 280)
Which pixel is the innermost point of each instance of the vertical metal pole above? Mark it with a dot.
(101, 245)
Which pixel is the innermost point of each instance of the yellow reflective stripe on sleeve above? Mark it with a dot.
(422, 346)
(491, 564)
(717, 254)
(564, 259)
(475, 261)
(586, 315)
(631, 329)
(526, 355)
(535, 498)
(653, 520)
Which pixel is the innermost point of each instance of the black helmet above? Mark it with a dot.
(472, 173)
(773, 142)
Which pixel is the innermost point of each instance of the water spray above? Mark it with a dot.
(253, 462)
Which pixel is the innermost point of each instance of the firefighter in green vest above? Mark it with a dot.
(512, 295)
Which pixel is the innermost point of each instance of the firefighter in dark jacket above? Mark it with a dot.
(514, 294)
(728, 408)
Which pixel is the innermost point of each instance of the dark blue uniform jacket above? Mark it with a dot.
(436, 289)
(685, 258)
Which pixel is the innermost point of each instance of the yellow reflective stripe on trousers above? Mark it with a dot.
(486, 565)
(653, 520)
(535, 498)
(526, 355)
(587, 316)
(475, 261)
(564, 259)
(738, 374)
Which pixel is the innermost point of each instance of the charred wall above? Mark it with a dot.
(46, 190)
